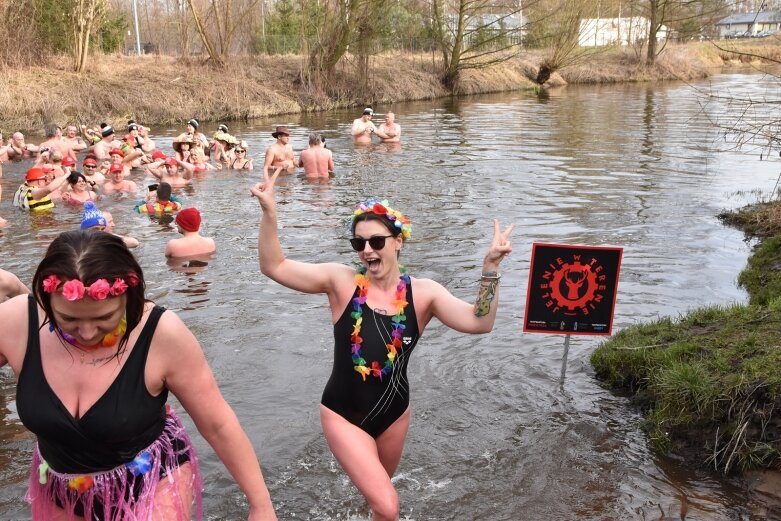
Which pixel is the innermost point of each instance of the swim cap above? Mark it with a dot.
(158, 154)
(34, 174)
(171, 161)
(189, 219)
(90, 161)
(116, 167)
(368, 111)
(107, 131)
(116, 151)
(92, 216)
(68, 161)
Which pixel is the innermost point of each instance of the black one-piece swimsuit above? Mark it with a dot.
(374, 404)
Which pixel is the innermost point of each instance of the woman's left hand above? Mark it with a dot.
(500, 246)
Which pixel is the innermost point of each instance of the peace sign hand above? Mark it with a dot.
(265, 191)
(500, 247)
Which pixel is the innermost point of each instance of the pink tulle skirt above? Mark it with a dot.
(125, 493)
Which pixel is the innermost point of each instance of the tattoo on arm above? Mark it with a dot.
(485, 296)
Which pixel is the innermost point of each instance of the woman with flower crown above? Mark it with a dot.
(365, 405)
(94, 365)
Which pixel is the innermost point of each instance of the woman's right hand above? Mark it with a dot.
(265, 191)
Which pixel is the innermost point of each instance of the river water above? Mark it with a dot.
(494, 435)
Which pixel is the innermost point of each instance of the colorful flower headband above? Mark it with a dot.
(99, 290)
(382, 208)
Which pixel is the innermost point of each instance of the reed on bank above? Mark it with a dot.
(159, 89)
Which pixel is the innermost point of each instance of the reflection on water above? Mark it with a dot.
(493, 434)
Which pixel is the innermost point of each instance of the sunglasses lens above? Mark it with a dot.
(376, 243)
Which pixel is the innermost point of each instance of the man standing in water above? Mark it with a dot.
(280, 154)
(389, 131)
(316, 160)
(73, 139)
(18, 149)
(54, 141)
(363, 128)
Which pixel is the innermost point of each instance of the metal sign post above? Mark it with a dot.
(564, 360)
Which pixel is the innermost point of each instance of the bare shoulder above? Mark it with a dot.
(425, 290)
(13, 322)
(172, 339)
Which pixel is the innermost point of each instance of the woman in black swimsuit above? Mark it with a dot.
(365, 405)
(95, 362)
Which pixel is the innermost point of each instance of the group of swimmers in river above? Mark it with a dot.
(93, 385)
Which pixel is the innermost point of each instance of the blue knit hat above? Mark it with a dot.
(92, 216)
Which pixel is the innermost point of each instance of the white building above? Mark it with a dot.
(597, 32)
(749, 24)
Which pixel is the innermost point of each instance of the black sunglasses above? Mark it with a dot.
(377, 242)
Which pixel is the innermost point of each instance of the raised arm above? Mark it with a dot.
(478, 317)
(186, 374)
(46, 190)
(300, 276)
(189, 167)
(154, 169)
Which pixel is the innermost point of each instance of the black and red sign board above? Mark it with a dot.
(572, 289)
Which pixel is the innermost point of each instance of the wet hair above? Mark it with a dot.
(89, 255)
(368, 216)
(315, 139)
(164, 191)
(50, 130)
(74, 177)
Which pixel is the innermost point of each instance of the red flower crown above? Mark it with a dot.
(74, 289)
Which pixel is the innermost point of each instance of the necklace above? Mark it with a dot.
(108, 340)
(377, 370)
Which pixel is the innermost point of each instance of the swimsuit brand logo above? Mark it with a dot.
(407, 340)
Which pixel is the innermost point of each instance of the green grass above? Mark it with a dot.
(710, 382)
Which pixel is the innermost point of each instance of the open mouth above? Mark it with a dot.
(372, 264)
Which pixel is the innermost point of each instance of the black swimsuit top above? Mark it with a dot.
(124, 420)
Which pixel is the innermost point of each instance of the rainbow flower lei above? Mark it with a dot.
(397, 320)
(383, 208)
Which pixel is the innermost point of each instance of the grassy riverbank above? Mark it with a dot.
(709, 382)
(165, 90)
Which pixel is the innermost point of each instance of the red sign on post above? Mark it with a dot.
(572, 289)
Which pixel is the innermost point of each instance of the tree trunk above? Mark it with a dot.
(454, 61)
(83, 15)
(543, 74)
(207, 43)
(653, 28)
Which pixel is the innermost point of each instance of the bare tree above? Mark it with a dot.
(227, 17)
(85, 15)
(474, 33)
(670, 14)
(559, 32)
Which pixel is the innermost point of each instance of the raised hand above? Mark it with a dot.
(265, 191)
(500, 246)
